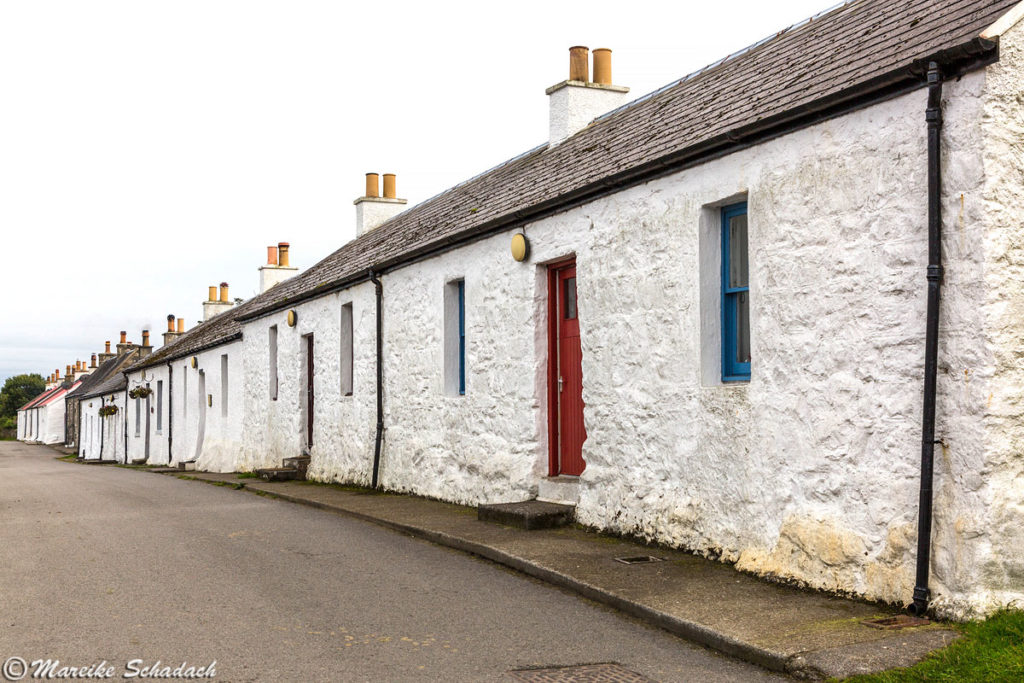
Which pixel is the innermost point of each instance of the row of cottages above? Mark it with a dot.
(710, 317)
(44, 418)
(41, 420)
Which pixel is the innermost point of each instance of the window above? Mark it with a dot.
(273, 362)
(138, 417)
(735, 295)
(224, 385)
(159, 405)
(346, 349)
(455, 338)
(462, 337)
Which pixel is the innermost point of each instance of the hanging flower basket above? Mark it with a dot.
(108, 410)
(140, 392)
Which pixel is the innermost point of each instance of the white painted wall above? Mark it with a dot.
(158, 424)
(22, 425)
(810, 470)
(102, 437)
(51, 421)
(344, 426)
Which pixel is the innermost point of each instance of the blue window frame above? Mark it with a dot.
(735, 295)
(462, 337)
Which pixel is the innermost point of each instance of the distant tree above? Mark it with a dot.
(18, 391)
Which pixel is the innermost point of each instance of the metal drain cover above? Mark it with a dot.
(584, 673)
(896, 622)
(639, 559)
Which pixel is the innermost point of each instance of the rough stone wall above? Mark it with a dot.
(343, 426)
(994, 574)
(52, 422)
(103, 438)
(157, 437)
(222, 433)
(72, 415)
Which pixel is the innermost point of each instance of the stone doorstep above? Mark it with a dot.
(528, 514)
(280, 474)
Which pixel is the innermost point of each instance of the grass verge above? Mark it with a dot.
(991, 651)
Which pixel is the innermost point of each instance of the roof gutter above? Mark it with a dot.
(974, 54)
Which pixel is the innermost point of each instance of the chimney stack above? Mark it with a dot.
(277, 268)
(106, 353)
(212, 306)
(145, 349)
(372, 210)
(170, 335)
(124, 345)
(575, 102)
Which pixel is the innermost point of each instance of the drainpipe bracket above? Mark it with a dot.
(935, 273)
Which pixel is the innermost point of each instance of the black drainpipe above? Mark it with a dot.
(931, 344)
(103, 423)
(380, 376)
(125, 421)
(170, 413)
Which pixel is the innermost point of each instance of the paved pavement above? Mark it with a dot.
(108, 563)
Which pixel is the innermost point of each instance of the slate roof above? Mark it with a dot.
(218, 330)
(95, 382)
(861, 49)
(39, 398)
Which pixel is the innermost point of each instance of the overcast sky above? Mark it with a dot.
(149, 150)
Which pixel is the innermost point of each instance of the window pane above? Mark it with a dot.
(570, 298)
(738, 251)
(743, 328)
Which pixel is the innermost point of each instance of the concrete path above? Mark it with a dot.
(108, 563)
(804, 633)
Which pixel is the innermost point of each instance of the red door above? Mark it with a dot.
(566, 374)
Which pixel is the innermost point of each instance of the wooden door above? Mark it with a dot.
(309, 391)
(566, 430)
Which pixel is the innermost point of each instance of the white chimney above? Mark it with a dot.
(278, 268)
(574, 103)
(373, 210)
(214, 305)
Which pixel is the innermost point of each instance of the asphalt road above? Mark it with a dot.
(105, 563)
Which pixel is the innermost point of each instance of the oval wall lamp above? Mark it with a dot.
(293, 318)
(195, 362)
(520, 247)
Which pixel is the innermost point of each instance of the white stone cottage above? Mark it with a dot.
(716, 338)
(102, 400)
(187, 403)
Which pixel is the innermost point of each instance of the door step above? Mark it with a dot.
(138, 461)
(563, 489)
(299, 462)
(280, 474)
(528, 514)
